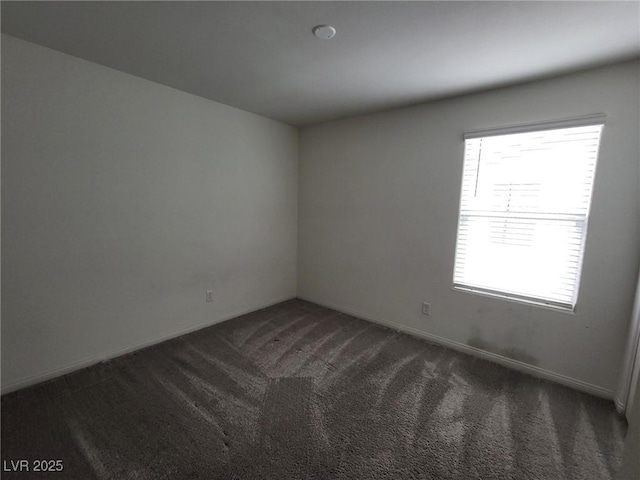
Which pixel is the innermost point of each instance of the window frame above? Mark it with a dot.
(584, 121)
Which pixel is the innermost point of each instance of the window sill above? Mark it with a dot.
(509, 298)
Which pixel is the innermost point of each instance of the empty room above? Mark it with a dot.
(320, 240)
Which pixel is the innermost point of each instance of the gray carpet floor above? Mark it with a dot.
(297, 391)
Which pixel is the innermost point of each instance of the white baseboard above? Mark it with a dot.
(128, 349)
(461, 347)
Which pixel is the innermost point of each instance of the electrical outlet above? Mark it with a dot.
(426, 308)
(209, 296)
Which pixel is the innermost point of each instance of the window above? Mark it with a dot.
(524, 210)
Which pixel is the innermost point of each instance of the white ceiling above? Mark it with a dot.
(263, 58)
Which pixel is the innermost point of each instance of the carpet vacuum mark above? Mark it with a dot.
(298, 391)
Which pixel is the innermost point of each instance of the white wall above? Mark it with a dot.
(123, 201)
(378, 208)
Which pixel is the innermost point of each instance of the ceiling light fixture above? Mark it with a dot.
(324, 31)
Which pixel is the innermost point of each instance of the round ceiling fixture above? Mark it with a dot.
(324, 31)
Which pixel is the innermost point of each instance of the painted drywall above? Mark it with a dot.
(123, 202)
(378, 210)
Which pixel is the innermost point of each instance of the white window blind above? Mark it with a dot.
(523, 213)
